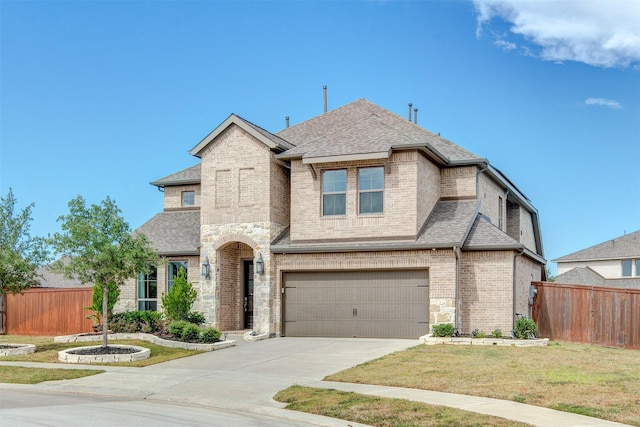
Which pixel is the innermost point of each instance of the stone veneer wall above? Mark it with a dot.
(215, 239)
(440, 263)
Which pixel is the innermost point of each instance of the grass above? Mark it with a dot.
(20, 375)
(595, 381)
(47, 350)
(382, 412)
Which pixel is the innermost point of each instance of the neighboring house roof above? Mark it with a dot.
(272, 141)
(589, 277)
(627, 246)
(190, 175)
(362, 127)
(49, 279)
(174, 232)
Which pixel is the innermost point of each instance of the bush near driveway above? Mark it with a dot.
(596, 381)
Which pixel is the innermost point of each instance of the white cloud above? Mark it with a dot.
(603, 33)
(505, 45)
(609, 103)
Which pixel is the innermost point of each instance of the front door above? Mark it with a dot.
(248, 293)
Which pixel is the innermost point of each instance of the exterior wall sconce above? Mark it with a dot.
(260, 265)
(205, 268)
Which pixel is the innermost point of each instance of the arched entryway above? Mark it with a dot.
(235, 287)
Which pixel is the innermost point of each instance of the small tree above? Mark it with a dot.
(20, 254)
(178, 301)
(96, 302)
(101, 249)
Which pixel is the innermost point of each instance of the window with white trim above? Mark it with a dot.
(334, 192)
(371, 190)
(188, 198)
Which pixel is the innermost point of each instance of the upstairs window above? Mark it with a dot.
(370, 190)
(638, 267)
(626, 268)
(334, 192)
(188, 198)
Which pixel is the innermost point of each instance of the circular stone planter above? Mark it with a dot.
(11, 349)
(118, 353)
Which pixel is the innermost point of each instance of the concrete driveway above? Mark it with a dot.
(244, 377)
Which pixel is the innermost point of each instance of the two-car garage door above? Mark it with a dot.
(374, 304)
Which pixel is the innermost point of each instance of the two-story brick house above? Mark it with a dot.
(354, 223)
(614, 263)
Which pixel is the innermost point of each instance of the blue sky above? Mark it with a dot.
(98, 98)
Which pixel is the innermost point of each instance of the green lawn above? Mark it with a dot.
(595, 381)
(47, 352)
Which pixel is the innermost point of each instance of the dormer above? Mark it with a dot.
(181, 189)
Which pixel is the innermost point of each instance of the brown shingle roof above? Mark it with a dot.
(348, 130)
(190, 175)
(174, 232)
(588, 277)
(485, 235)
(627, 246)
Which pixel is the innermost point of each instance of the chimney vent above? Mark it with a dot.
(415, 115)
(286, 119)
(410, 105)
(324, 89)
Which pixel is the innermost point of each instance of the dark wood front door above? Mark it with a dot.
(248, 293)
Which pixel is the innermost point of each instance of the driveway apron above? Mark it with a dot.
(241, 377)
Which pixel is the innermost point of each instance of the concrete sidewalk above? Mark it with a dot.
(246, 377)
(534, 415)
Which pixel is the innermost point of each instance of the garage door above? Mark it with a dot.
(375, 304)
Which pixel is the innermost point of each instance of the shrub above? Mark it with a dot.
(137, 321)
(177, 327)
(496, 333)
(195, 317)
(210, 335)
(478, 334)
(113, 294)
(443, 330)
(191, 332)
(178, 301)
(525, 328)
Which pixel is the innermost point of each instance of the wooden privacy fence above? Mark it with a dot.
(48, 311)
(588, 314)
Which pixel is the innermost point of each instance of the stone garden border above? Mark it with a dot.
(140, 354)
(149, 338)
(502, 342)
(15, 349)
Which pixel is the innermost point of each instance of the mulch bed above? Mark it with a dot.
(99, 350)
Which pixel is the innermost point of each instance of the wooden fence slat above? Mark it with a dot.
(588, 314)
(48, 311)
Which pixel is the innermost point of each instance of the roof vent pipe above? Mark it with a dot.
(415, 116)
(324, 89)
(286, 119)
(410, 105)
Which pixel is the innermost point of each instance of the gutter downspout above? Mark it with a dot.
(456, 252)
(486, 167)
(513, 314)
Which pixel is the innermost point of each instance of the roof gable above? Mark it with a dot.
(272, 141)
(627, 246)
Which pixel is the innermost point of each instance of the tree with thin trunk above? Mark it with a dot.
(100, 248)
(20, 253)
